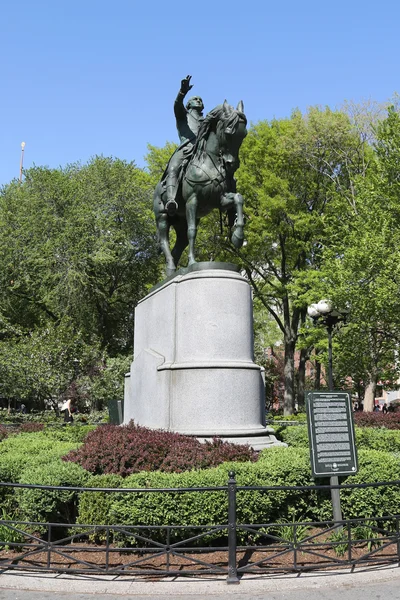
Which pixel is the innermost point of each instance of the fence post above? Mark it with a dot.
(232, 570)
(49, 546)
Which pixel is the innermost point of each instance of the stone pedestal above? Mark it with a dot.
(193, 369)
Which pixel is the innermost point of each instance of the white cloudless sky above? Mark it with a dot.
(80, 78)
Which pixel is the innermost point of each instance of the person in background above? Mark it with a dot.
(69, 407)
(384, 408)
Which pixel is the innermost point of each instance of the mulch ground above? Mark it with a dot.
(160, 563)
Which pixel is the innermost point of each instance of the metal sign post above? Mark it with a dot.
(331, 436)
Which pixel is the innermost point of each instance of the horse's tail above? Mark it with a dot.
(231, 213)
(156, 210)
(158, 242)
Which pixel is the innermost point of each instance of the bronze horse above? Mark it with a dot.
(206, 183)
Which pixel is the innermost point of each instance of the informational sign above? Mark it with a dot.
(331, 434)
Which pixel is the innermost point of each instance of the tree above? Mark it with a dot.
(362, 269)
(293, 171)
(157, 160)
(77, 246)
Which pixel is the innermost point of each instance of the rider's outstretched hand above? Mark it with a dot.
(185, 84)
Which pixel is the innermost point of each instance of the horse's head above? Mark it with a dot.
(223, 131)
(231, 131)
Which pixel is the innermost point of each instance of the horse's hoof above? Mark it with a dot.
(171, 207)
(171, 271)
(237, 239)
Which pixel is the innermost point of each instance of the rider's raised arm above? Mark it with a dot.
(179, 108)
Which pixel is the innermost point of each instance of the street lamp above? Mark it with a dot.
(21, 164)
(323, 312)
(76, 365)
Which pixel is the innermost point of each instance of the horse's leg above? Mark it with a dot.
(182, 241)
(232, 199)
(238, 233)
(163, 233)
(192, 222)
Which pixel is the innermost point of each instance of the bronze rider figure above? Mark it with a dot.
(188, 121)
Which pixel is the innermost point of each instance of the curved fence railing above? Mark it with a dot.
(229, 548)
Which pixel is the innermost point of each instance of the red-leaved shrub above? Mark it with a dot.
(31, 427)
(3, 432)
(131, 448)
(390, 420)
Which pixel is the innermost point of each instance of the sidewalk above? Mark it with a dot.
(117, 586)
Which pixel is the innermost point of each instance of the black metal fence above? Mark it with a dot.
(215, 549)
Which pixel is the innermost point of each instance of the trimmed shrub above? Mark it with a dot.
(131, 449)
(94, 507)
(299, 418)
(385, 440)
(295, 437)
(54, 506)
(367, 438)
(46, 416)
(369, 502)
(26, 450)
(35, 458)
(276, 466)
(75, 433)
(50, 416)
(95, 417)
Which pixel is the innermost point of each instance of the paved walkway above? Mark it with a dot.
(362, 584)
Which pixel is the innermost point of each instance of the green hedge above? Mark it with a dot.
(95, 507)
(279, 466)
(23, 452)
(26, 450)
(52, 506)
(385, 440)
(295, 436)
(50, 416)
(36, 458)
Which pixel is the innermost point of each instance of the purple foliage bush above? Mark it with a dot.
(389, 420)
(3, 432)
(131, 448)
(31, 427)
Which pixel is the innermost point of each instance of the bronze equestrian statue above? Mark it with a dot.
(200, 175)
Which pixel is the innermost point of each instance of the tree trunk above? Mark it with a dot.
(317, 373)
(370, 388)
(370, 392)
(301, 378)
(288, 371)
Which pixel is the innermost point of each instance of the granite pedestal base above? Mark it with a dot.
(193, 370)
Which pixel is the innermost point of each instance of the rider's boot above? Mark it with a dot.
(171, 204)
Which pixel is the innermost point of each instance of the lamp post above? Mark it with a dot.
(324, 313)
(76, 365)
(21, 164)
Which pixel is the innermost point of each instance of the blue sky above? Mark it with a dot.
(80, 78)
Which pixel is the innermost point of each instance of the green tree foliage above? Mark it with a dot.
(360, 270)
(157, 160)
(77, 253)
(293, 171)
